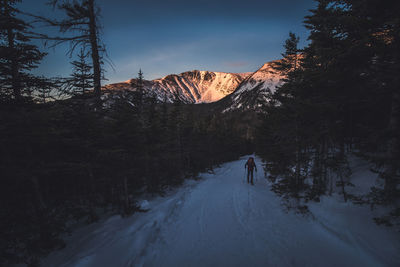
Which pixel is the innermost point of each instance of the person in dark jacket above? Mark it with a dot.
(250, 165)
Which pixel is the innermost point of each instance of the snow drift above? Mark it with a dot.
(222, 221)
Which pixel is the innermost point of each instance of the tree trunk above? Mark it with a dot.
(392, 146)
(95, 50)
(298, 155)
(15, 79)
(83, 82)
(343, 186)
(126, 193)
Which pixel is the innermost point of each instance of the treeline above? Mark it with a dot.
(70, 153)
(342, 95)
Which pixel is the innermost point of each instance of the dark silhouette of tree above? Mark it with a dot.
(290, 59)
(140, 81)
(138, 93)
(81, 79)
(82, 17)
(17, 55)
(340, 95)
(44, 89)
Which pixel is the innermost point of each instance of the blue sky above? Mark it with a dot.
(173, 36)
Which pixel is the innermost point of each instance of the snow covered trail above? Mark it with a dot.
(222, 221)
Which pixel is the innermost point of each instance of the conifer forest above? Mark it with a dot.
(74, 151)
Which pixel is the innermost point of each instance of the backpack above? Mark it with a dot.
(250, 163)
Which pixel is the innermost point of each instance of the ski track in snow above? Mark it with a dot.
(223, 221)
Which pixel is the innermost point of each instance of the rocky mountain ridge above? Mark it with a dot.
(191, 86)
(231, 91)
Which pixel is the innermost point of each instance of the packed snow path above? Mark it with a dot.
(222, 221)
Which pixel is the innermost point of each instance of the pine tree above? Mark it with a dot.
(288, 102)
(140, 81)
(289, 62)
(83, 17)
(354, 59)
(341, 96)
(380, 34)
(82, 78)
(17, 55)
(138, 86)
(43, 88)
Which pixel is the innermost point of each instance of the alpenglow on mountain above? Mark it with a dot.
(191, 86)
(232, 90)
(255, 90)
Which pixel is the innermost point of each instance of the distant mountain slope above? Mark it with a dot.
(255, 90)
(231, 91)
(191, 86)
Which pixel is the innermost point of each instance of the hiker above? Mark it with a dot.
(250, 165)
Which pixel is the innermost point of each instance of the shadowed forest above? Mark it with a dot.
(72, 152)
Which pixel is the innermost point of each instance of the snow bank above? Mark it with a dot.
(220, 220)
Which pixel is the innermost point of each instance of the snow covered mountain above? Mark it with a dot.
(191, 86)
(232, 91)
(255, 90)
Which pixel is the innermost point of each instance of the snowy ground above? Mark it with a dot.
(222, 221)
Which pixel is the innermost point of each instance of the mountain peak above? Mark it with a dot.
(194, 86)
(256, 89)
(239, 90)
